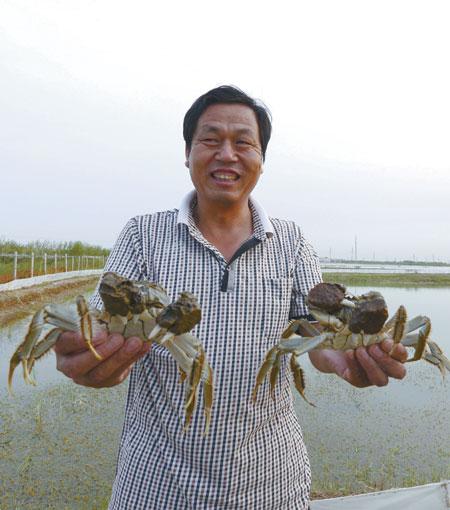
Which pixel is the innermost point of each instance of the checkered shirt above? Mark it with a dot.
(253, 456)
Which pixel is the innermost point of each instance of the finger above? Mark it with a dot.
(375, 374)
(70, 342)
(120, 374)
(400, 353)
(78, 364)
(391, 366)
(354, 373)
(107, 372)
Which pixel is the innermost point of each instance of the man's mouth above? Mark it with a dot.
(225, 176)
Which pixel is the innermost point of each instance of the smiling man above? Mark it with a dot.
(251, 274)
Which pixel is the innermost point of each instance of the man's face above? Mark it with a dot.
(225, 160)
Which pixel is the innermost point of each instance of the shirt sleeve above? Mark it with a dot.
(307, 274)
(125, 259)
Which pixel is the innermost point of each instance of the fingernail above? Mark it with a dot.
(133, 345)
(362, 353)
(114, 342)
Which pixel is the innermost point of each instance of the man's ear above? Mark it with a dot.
(186, 153)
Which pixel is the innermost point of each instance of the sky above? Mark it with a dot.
(93, 95)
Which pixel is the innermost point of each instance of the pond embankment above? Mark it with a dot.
(16, 304)
(389, 280)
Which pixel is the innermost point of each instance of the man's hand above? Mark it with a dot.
(365, 366)
(75, 361)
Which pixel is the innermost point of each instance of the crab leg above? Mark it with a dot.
(437, 358)
(23, 352)
(418, 340)
(190, 357)
(191, 387)
(207, 394)
(399, 326)
(84, 324)
(299, 378)
(296, 344)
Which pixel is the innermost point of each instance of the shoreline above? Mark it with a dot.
(389, 279)
(16, 304)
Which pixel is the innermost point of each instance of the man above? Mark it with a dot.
(250, 274)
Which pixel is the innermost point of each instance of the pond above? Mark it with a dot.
(358, 439)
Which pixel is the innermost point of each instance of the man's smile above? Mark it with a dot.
(225, 175)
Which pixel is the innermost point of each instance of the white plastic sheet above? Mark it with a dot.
(434, 496)
(28, 282)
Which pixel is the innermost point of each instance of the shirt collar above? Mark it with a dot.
(184, 213)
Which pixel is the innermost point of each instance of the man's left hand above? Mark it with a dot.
(369, 366)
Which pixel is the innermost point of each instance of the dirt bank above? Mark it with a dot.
(15, 304)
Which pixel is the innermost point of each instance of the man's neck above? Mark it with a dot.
(223, 226)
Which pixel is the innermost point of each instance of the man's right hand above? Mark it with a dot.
(75, 360)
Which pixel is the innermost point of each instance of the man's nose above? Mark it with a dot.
(227, 151)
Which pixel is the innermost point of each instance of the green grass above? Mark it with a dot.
(388, 280)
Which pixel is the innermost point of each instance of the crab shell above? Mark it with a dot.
(368, 315)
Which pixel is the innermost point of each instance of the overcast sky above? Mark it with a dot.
(93, 95)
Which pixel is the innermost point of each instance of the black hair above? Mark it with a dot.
(228, 94)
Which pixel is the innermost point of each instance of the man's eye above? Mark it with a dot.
(210, 140)
(243, 142)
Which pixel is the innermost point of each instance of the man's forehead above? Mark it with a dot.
(238, 116)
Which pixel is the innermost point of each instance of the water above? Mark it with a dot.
(433, 302)
(357, 438)
(430, 301)
(44, 370)
(349, 267)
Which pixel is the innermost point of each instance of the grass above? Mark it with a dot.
(388, 280)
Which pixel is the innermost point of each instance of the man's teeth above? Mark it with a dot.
(225, 177)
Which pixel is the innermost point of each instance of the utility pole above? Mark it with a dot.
(356, 248)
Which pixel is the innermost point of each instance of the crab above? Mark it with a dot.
(131, 308)
(348, 322)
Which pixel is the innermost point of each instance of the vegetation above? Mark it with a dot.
(388, 280)
(75, 248)
(79, 256)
